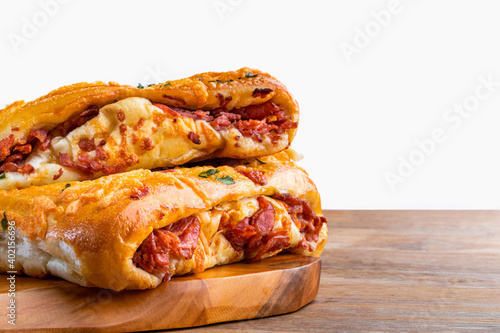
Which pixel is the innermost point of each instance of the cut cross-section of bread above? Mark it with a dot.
(86, 131)
(136, 229)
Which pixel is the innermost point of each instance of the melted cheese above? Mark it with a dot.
(151, 139)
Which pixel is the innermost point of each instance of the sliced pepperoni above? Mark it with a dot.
(195, 138)
(178, 240)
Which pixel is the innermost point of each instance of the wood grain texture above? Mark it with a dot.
(400, 271)
(273, 286)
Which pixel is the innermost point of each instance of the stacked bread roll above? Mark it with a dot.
(123, 187)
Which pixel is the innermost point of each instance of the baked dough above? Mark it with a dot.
(129, 128)
(89, 232)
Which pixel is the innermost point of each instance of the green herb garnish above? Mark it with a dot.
(5, 222)
(167, 84)
(65, 187)
(140, 86)
(2, 176)
(228, 180)
(251, 75)
(207, 173)
(260, 161)
(220, 81)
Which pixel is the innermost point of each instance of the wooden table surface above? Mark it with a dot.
(400, 271)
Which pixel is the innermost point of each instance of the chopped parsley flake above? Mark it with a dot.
(260, 161)
(140, 86)
(4, 221)
(65, 187)
(228, 180)
(207, 173)
(2, 176)
(220, 81)
(251, 75)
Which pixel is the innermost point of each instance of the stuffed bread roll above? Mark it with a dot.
(136, 229)
(88, 130)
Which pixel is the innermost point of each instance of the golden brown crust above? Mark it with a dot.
(162, 142)
(196, 92)
(93, 228)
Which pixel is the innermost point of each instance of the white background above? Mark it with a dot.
(361, 115)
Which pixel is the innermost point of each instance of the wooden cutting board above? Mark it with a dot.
(269, 287)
